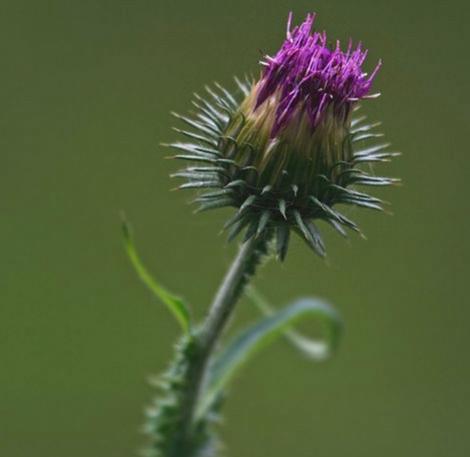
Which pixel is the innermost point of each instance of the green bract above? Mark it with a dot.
(286, 182)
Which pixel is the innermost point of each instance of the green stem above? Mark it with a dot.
(237, 277)
(177, 424)
(228, 294)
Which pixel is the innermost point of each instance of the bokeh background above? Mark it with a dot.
(86, 90)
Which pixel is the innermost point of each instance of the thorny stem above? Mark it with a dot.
(238, 275)
(227, 295)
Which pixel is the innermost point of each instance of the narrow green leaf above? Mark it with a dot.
(313, 349)
(264, 332)
(176, 305)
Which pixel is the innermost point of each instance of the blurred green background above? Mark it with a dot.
(86, 91)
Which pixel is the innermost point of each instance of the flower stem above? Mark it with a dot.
(228, 294)
(242, 269)
(178, 426)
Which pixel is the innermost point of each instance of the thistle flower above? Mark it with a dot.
(287, 148)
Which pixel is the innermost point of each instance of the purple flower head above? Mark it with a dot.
(307, 76)
(287, 148)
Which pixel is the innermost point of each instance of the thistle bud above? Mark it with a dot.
(287, 148)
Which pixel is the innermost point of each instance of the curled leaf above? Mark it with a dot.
(264, 332)
(316, 350)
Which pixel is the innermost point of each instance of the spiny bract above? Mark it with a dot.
(284, 150)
